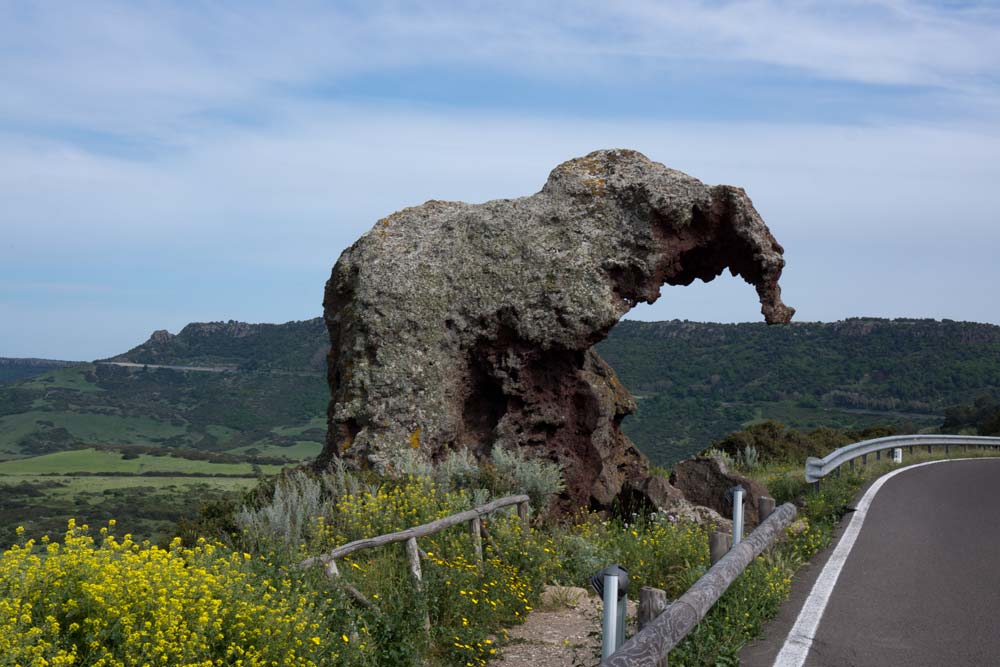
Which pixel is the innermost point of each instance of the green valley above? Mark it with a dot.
(114, 431)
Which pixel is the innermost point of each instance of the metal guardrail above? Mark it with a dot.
(652, 644)
(817, 469)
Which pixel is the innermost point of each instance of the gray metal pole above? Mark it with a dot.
(620, 625)
(737, 515)
(610, 629)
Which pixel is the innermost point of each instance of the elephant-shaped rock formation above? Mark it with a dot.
(456, 325)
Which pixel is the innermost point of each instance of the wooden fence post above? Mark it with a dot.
(413, 555)
(652, 602)
(475, 529)
(719, 544)
(522, 511)
(765, 505)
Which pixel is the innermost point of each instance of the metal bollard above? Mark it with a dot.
(620, 623)
(737, 514)
(610, 628)
(611, 584)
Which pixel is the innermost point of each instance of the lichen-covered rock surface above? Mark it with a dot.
(471, 325)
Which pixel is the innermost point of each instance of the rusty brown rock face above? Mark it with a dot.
(704, 481)
(470, 326)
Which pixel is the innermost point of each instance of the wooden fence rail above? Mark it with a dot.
(473, 517)
(651, 645)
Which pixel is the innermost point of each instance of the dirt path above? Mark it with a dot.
(563, 632)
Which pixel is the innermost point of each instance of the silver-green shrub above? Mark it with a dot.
(286, 517)
(748, 458)
(512, 473)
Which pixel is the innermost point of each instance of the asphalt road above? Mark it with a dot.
(921, 585)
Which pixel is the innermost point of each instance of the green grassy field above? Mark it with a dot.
(64, 378)
(102, 428)
(302, 450)
(147, 507)
(314, 423)
(95, 462)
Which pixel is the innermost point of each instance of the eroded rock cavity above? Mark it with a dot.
(471, 325)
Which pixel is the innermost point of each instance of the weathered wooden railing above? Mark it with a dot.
(817, 469)
(473, 517)
(649, 648)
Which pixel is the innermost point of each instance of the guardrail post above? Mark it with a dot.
(765, 505)
(852, 465)
(878, 454)
(864, 459)
(719, 544)
(929, 449)
(737, 514)
(947, 450)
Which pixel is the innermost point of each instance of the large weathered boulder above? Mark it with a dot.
(706, 482)
(458, 325)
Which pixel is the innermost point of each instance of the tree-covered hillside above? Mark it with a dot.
(697, 381)
(694, 383)
(250, 413)
(17, 369)
(293, 346)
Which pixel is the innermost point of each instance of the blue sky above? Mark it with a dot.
(162, 163)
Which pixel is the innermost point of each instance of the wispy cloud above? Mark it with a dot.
(171, 73)
(212, 160)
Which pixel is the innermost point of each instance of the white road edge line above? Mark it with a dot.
(800, 637)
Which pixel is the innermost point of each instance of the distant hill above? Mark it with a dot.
(271, 404)
(293, 346)
(694, 383)
(15, 369)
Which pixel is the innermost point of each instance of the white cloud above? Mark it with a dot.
(184, 145)
(153, 71)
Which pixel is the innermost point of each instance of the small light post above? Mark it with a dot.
(611, 584)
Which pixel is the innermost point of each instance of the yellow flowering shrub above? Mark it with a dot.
(118, 603)
(390, 508)
(465, 600)
(655, 550)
